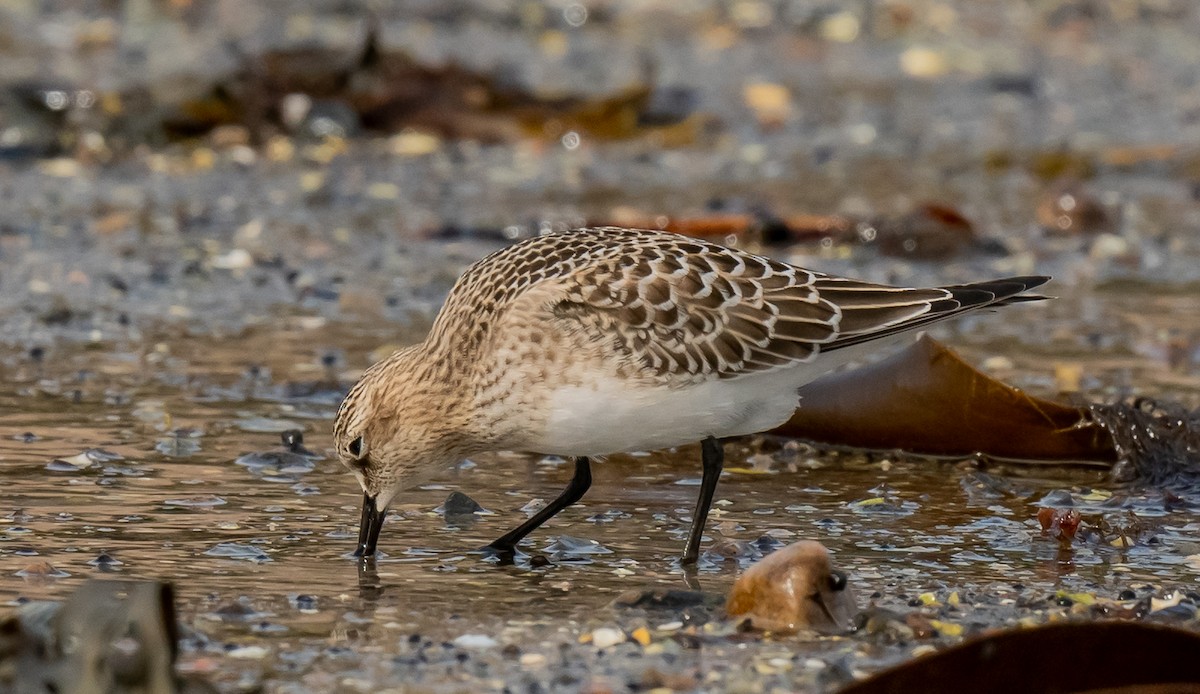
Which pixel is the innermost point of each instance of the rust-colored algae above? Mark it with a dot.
(926, 399)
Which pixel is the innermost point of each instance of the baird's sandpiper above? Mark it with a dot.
(605, 340)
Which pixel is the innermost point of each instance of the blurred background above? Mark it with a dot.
(230, 135)
(217, 134)
(924, 130)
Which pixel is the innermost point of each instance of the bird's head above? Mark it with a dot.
(398, 425)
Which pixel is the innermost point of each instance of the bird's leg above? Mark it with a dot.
(712, 455)
(506, 544)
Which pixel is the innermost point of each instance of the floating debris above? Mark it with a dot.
(281, 466)
(567, 547)
(200, 501)
(1059, 524)
(234, 550)
(182, 443)
(82, 461)
(41, 570)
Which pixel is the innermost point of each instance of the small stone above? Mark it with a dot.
(919, 61)
(475, 641)
(771, 103)
(409, 143)
(248, 653)
(105, 562)
(794, 588)
(459, 504)
(235, 259)
(605, 637)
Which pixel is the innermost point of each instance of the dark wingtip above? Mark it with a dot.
(998, 292)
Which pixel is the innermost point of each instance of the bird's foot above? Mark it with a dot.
(499, 554)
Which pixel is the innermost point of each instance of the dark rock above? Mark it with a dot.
(459, 504)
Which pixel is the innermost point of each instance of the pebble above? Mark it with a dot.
(475, 641)
(605, 637)
(248, 653)
(459, 504)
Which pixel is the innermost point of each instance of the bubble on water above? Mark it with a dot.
(575, 14)
(56, 99)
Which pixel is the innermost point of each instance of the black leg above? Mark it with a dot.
(576, 488)
(713, 458)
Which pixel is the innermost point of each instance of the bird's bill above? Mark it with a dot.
(369, 527)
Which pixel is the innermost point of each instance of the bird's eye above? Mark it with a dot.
(837, 581)
(355, 447)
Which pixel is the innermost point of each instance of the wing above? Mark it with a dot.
(681, 310)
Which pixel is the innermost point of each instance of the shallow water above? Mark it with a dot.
(263, 560)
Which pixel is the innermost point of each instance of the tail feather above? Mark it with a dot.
(963, 298)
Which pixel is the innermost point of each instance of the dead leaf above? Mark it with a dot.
(926, 399)
(1112, 657)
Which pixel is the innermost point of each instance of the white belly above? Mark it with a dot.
(608, 416)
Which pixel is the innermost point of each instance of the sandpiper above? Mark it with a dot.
(604, 340)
